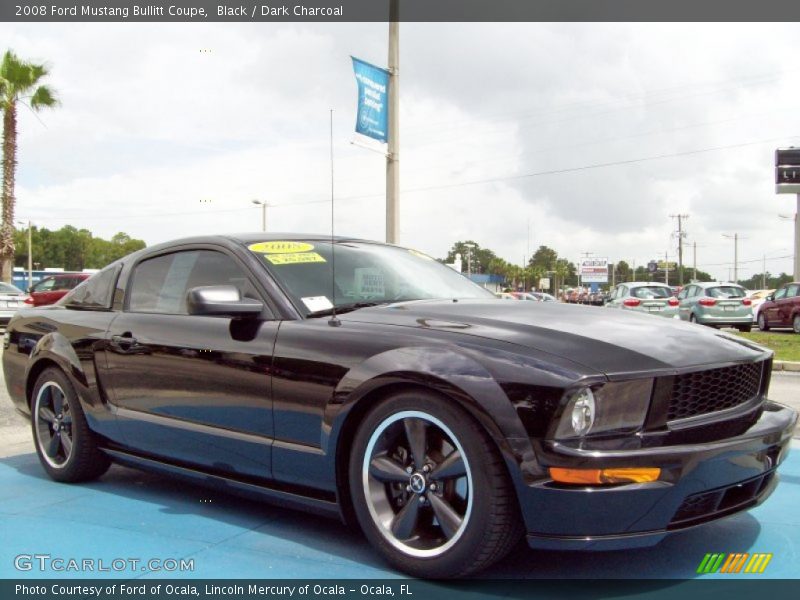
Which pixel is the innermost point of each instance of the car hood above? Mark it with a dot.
(606, 340)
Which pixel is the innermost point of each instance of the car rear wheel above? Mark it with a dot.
(692, 318)
(745, 328)
(762, 322)
(63, 440)
(430, 490)
(796, 323)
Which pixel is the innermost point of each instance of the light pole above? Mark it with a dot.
(735, 238)
(30, 253)
(469, 248)
(796, 219)
(263, 206)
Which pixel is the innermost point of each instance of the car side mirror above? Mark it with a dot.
(30, 290)
(770, 297)
(222, 300)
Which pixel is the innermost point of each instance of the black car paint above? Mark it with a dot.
(271, 405)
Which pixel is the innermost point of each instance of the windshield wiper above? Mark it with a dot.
(344, 308)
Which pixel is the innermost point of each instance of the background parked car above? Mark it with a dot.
(781, 309)
(758, 297)
(505, 296)
(643, 296)
(51, 289)
(11, 298)
(544, 297)
(526, 296)
(716, 304)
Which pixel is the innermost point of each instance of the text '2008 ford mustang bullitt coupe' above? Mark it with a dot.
(371, 382)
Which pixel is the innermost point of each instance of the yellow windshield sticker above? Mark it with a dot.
(420, 254)
(281, 247)
(295, 258)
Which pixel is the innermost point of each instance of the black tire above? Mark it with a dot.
(762, 322)
(796, 324)
(74, 456)
(692, 318)
(490, 523)
(745, 328)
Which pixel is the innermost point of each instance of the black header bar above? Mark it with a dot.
(410, 10)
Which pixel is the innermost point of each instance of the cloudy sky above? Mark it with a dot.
(507, 132)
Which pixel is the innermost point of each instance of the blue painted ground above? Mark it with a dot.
(129, 514)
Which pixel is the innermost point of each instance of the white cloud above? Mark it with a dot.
(149, 126)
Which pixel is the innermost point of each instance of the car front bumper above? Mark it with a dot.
(700, 482)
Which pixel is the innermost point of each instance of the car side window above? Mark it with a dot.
(45, 285)
(97, 292)
(160, 284)
(780, 293)
(793, 290)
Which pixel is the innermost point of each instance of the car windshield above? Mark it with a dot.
(366, 274)
(726, 291)
(651, 291)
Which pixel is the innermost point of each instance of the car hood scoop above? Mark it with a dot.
(607, 340)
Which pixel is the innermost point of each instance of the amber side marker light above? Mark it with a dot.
(603, 476)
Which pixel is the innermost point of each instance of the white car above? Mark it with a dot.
(11, 298)
(758, 297)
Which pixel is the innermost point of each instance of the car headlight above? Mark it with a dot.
(616, 407)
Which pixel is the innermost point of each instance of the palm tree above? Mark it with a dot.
(19, 84)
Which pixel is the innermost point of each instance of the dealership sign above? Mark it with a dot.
(787, 171)
(373, 109)
(594, 270)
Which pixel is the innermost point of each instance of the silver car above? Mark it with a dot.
(644, 296)
(717, 304)
(11, 299)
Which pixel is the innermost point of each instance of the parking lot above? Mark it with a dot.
(130, 514)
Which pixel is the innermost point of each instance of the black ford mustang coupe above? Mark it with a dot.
(370, 382)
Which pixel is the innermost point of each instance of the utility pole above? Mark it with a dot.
(681, 235)
(764, 273)
(666, 268)
(694, 260)
(393, 149)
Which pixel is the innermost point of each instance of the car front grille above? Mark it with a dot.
(709, 391)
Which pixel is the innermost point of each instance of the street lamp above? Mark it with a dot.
(796, 218)
(30, 252)
(263, 206)
(469, 248)
(735, 238)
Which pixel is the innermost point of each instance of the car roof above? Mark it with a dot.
(641, 283)
(707, 284)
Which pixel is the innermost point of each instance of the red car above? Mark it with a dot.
(51, 289)
(781, 309)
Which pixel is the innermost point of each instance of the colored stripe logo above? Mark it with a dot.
(736, 562)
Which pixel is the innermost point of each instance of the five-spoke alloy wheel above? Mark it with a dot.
(430, 489)
(53, 424)
(66, 447)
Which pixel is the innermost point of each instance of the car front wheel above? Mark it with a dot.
(762, 322)
(430, 490)
(796, 323)
(63, 440)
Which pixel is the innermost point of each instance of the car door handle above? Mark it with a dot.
(125, 339)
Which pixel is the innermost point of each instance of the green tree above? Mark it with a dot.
(19, 84)
(544, 257)
(480, 258)
(72, 249)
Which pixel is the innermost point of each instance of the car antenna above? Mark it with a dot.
(334, 320)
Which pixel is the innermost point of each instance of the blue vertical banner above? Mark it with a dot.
(372, 119)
